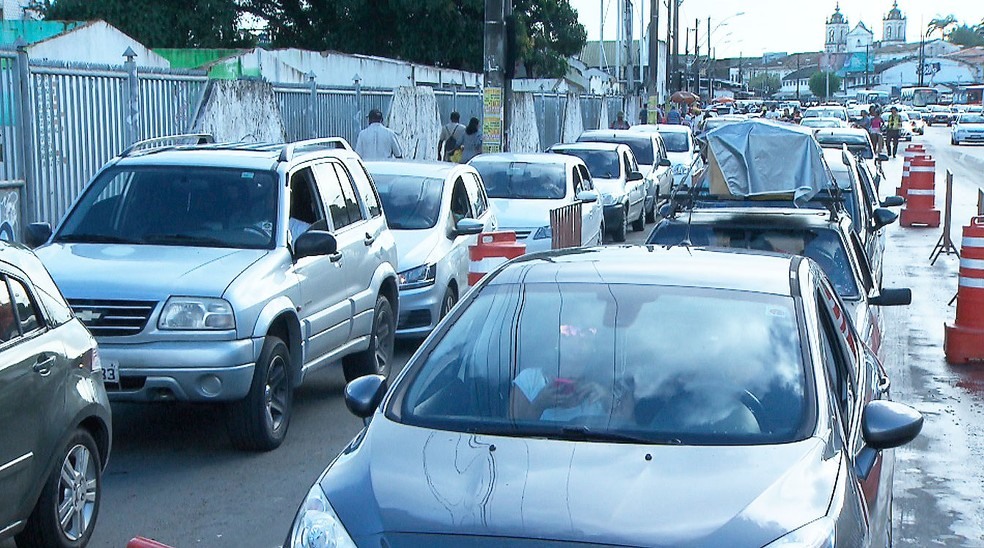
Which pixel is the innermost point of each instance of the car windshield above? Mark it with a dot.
(523, 180)
(676, 142)
(972, 119)
(598, 362)
(826, 113)
(166, 205)
(822, 245)
(821, 122)
(641, 146)
(855, 143)
(410, 203)
(602, 164)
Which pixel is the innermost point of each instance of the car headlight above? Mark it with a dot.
(197, 313)
(543, 233)
(317, 525)
(422, 276)
(816, 534)
(680, 169)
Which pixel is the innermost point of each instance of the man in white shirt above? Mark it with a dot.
(377, 142)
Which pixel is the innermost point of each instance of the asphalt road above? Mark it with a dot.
(174, 476)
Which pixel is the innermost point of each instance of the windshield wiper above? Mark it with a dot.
(95, 239)
(584, 433)
(185, 239)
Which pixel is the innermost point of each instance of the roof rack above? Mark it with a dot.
(168, 141)
(324, 143)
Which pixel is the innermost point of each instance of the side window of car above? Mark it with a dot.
(26, 311)
(305, 206)
(8, 319)
(585, 178)
(834, 361)
(367, 189)
(460, 205)
(576, 174)
(352, 205)
(866, 278)
(473, 184)
(626, 164)
(331, 193)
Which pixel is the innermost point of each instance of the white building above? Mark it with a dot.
(94, 42)
(860, 39)
(937, 70)
(837, 29)
(893, 27)
(13, 9)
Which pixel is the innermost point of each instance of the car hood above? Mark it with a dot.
(144, 272)
(615, 187)
(404, 479)
(523, 214)
(677, 158)
(414, 247)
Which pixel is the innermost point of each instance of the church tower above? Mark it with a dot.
(893, 32)
(837, 29)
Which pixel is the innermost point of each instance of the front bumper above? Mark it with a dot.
(182, 371)
(420, 310)
(975, 137)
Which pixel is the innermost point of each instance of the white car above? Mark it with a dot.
(616, 177)
(968, 128)
(822, 123)
(434, 211)
(907, 126)
(681, 148)
(826, 111)
(524, 188)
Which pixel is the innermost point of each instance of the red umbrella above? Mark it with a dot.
(684, 97)
(723, 100)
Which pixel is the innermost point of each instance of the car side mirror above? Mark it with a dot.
(587, 196)
(468, 227)
(313, 243)
(893, 201)
(885, 425)
(884, 217)
(665, 162)
(892, 297)
(364, 394)
(882, 157)
(634, 176)
(37, 234)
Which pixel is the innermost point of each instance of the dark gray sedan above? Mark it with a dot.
(627, 396)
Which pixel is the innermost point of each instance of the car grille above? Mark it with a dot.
(113, 318)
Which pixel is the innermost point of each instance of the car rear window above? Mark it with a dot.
(641, 146)
(410, 203)
(599, 362)
(676, 142)
(601, 164)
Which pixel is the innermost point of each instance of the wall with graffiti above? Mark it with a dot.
(9, 214)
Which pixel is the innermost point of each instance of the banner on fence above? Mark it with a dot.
(492, 120)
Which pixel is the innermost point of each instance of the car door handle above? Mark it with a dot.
(335, 257)
(369, 239)
(43, 365)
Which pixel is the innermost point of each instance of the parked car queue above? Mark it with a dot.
(431, 212)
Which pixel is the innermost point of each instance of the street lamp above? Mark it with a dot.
(710, 33)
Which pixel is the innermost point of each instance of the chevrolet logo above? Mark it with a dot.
(88, 315)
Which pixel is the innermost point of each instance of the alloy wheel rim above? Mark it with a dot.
(448, 304)
(78, 492)
(276, 393)
(384, 341)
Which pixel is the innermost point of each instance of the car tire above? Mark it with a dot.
(259, 421)
(954, 141)
(448, 301)
(618, 235)
(640, 223)
(378, 358)
(602, 232)
(651, 213)
(78, 468)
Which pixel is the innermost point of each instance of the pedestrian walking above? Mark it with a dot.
(620, 122)
(377, 142)
(452, 134)
(472, 142)
(673, 117)
(875, 129)
(893, 129)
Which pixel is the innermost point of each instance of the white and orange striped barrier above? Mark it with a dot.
(920, 195)
(963, 342)
(492, 250)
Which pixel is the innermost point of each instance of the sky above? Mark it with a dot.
(775, 25)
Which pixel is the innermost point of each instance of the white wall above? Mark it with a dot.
(13, 9)
(97, 43)
(904, 74)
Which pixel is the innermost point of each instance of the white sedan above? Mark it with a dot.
(524, 188)
(969, 128)
(434, 210)
(681, 148)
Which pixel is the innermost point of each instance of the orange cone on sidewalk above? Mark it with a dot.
(920, 195)
(910, 152)
(963, 342)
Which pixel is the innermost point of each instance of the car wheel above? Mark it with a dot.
(640, 223)
(378, 358)
(651, 214)
(259, 421)
(619, 234)
(954, 141)
(448, 302)
(602, 232)
(66, 511)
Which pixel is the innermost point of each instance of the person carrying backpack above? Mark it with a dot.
(452, 135)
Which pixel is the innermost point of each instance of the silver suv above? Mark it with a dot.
(227, 273)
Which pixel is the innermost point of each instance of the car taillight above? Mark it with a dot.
(90, 360)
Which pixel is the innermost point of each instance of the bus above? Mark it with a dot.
(969, 95)
(920, 97)
(872, 97)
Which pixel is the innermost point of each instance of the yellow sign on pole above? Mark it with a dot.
(492, 120)
(652, 110)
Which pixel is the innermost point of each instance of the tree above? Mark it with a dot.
(547, 32)
(941, 25)
(818, 84)
(157, 23)
(965, 35)
(765, 82)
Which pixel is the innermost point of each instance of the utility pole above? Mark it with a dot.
(653, 67)
(676, 39)
(797, 78)
(629, 65)
(497, 93)
(709, 85)
(867, 52)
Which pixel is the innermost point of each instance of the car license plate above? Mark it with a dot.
(111, 371)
